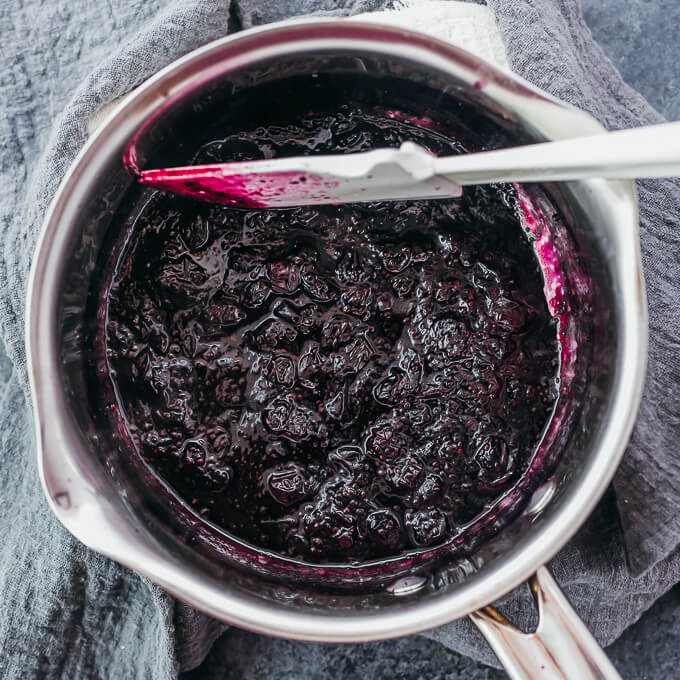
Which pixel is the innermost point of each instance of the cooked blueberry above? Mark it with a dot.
(281, 369)
(338, 330)
(405, 473)
(229, 391)
(348, 459)
(384, 528)
(316, 286)
(494, 462)
(195, 230)
(425, 527)
(310, 364)
(302, 318)
(396, 258)
(255, 294)
(218, 476)
(357, 300)
(284, 277)
(223, 312)
(335, 406)
(286, 483)
(271, 334)
(182, 281)
(428, 492)
(395, 387)
(195, 452)
(402, 285)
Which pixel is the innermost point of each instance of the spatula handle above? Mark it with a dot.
(652, 151)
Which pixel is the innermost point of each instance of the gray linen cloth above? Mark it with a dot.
(69, 613)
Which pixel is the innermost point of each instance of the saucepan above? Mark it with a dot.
(117, 507)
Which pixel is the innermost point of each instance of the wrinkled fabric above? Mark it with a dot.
(70, 613)
(549, 44)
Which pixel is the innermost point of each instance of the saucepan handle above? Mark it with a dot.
(561, 648)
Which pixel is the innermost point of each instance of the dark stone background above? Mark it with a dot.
(641, 37)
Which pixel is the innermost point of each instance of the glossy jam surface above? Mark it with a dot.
(340, 383)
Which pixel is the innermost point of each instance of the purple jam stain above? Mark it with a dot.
(235, 190)
(555, 284)
(209, 183)
(130, 160)
(342, 383)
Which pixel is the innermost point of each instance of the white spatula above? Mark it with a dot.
(412, 172)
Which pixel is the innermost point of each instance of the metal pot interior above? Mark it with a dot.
(141, 501)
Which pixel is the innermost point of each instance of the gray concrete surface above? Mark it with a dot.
(642, 39)
(644, 652)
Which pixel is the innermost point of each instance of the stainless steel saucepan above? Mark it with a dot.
(127, 514)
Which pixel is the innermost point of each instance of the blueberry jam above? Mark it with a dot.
(335, 384)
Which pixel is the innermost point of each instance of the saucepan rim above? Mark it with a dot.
(90, 515)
